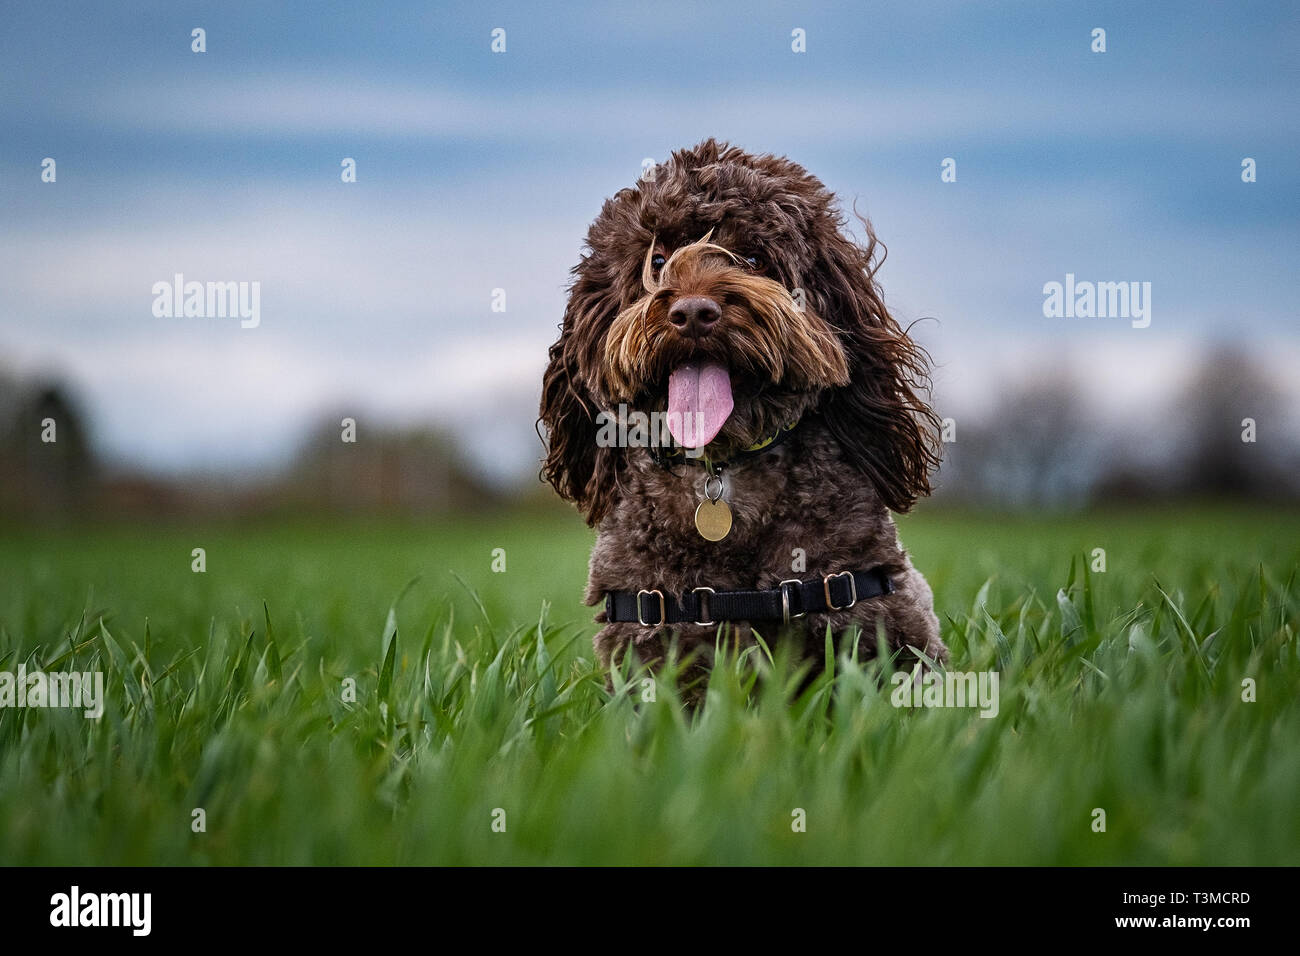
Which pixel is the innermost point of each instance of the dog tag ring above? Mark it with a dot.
(713, 516)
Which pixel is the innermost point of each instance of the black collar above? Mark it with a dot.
(666, 458)
(832, 592)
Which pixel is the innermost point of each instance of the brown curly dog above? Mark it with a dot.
(733, 407)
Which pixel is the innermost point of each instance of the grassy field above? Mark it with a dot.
(476, 693)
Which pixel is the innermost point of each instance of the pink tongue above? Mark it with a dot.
(699, 401)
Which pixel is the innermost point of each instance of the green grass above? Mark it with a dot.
(1120, 690)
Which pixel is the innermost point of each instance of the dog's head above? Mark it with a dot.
(723, 290)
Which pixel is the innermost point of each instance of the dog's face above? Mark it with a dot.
(723, 291)
(728, 351)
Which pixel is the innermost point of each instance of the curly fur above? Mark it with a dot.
(806, 336)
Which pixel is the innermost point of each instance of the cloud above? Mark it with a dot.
(825, 114)
(477, 174)
(387, 275)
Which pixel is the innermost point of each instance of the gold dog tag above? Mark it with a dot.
(713, 519)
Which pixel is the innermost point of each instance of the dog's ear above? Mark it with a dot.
(578, 468)
(881, 419)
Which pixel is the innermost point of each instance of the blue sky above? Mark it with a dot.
(479, 171)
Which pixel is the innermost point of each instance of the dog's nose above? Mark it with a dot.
(694, 316)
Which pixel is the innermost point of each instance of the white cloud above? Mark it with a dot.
(289, 104)
(384, 302)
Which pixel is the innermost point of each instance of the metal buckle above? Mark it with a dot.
(700, 605)
(663, 608)
(785, 600)
(853, 589)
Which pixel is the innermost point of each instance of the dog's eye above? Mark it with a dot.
(657, 261)
(756, 263)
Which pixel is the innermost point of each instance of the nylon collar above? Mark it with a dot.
(674, 455)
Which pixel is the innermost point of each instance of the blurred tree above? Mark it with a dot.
(410, 470)
(1217, 459)
(46, 464)
(1034, 450)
